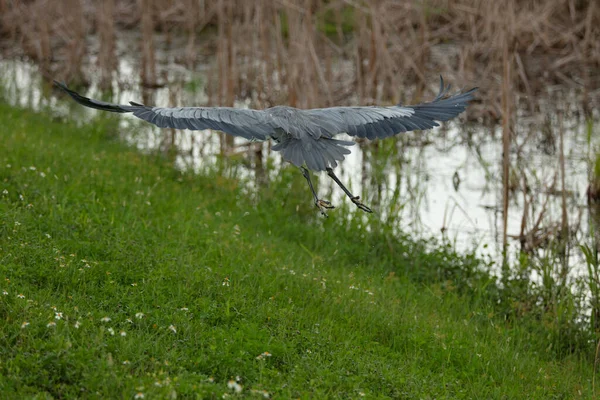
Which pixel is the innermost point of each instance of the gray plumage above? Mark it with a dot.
(304, 137)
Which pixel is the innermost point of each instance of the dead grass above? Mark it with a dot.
(311, 53)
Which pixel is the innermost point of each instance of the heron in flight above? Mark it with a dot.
(305, 138)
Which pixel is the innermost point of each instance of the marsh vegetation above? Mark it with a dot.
(512, 186)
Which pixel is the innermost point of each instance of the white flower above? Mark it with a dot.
(24, 324)
(58, 315)
(111, 331)
(126, 362)
(172, 328)
(51, 324)
(21, 296)
(236, 387)
(129, 320)
(43, 175)
(123, 333)
(139, 395)
(5, 192)
(139, 315)
(263, 355)
(262, 393)
(4, 292)
(105, 319)
(184, 309)
(77, 325)
(226, 282)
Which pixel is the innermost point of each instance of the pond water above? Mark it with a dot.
(445, 183)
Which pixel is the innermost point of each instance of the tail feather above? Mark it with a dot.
(316, 154)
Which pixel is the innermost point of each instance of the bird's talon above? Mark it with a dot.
(323, 205)
(365, 208)
(360, 205)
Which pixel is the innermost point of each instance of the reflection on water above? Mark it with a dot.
(445, 183)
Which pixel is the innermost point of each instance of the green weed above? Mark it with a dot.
(122, 277)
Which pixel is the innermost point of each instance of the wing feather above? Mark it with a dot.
(381, 122)
(307, 133)
(250, 124)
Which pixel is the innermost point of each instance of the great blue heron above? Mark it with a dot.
(304, 137)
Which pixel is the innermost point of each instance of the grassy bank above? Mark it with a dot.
(123, 277)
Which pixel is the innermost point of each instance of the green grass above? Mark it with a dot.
(95, 233)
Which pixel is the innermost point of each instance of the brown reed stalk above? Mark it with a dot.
(564, 233)
(324, 88)
(373, 59)
(263, 11)
(423, 39)
(525, 216)
(279, 46)
(75, 34)
(172, 133)
(148, 67)
(105, 13)
(359, 58)
(506, 120)
(43, 46)
(587, 44)
(191, 21)
(225, 59)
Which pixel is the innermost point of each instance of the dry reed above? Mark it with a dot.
(107, 50)
(296, 51)
(148, 70)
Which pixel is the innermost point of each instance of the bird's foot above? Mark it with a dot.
(356, 200)
(323, 205)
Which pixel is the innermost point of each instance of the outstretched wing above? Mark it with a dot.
(249, 124)
(382, 122)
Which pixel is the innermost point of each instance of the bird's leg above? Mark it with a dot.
(322, 205)
(355, 199)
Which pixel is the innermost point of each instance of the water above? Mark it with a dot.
(445, 183)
